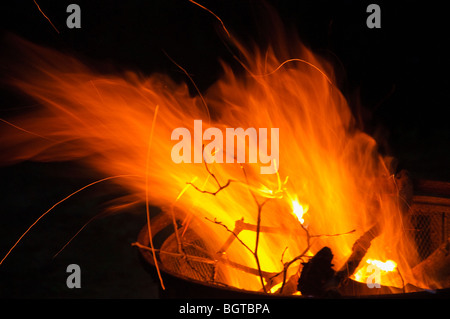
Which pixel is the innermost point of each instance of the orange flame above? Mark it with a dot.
(330, 176)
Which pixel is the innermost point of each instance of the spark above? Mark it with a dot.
(193, 83)
(215, 15)
(46, 16)
(302, 61)
(24, 130)
(147, 209)
(51, 208)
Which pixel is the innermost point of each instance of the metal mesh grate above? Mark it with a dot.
(431, 228)
(193, 246)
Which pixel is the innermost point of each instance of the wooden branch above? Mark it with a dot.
(333, 235)
(289, 263)
(262, 229)
(258, 228)
(234, 235)
(258, 224)
(359, 250)
(221, 187)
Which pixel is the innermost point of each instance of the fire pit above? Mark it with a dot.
(196, 271)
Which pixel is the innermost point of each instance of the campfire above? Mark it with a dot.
(277, 191)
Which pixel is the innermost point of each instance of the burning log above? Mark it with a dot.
(316, 273)
(320, 280)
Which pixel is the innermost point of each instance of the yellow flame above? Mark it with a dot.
(385, 267)
(299, 210)
(388, 265)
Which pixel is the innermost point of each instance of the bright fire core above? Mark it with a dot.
(331, 179)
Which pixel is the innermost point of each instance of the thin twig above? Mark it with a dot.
(258, 231)
(258, 227)
(258, 224)
(332, 235)
(258, 220)
(263, 229)
(282, 255)
(403, 282)
(221, 187)
(230, 231)
(175, 230)
(209, 192)
(289, 263)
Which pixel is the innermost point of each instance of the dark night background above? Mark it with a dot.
(395, 78)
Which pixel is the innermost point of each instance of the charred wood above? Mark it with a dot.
(318, 277)
(316, 273)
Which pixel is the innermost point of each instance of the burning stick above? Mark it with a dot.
(299, 257)
(359, 249)
(220, 187)
(240, 226)
(258, 228)
(234, 235)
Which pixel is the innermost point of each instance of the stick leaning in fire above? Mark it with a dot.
(359, 250)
